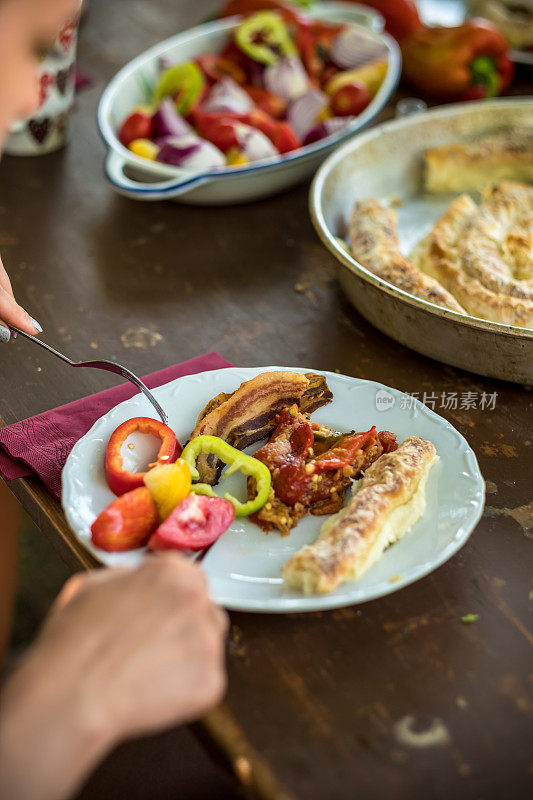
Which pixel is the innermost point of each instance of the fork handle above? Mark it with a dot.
(41, 344)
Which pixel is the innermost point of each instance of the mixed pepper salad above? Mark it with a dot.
(282, 81)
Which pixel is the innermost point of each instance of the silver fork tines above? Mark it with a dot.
(109, 366)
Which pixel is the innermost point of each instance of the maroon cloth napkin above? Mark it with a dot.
(40, 445)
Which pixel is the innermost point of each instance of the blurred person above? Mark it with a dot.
(122, 652)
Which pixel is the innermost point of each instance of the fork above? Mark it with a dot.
(109, 366)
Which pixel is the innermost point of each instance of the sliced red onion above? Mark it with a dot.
(191, 152)
(304, 110)
(353, 47)
(287, 78)
(327, 128)
(167, 121)
(164, 62)
(227, 95)
(253, 143)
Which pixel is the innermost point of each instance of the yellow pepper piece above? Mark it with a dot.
(324, 114)
(144, 148)
(371, 75)
(168, 484)
(235, 158)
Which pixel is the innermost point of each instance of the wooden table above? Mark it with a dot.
(325, 705)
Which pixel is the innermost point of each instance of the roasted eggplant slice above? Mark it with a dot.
(247, 415)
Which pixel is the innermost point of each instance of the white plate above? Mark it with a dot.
(244, 566)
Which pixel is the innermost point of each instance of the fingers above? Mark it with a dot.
(82, 581)
(13, 314)
(5, 283)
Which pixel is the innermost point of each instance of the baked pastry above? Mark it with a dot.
(385, 504)
(513, 17)
(483, 254)
(506, 154)
(374, 243)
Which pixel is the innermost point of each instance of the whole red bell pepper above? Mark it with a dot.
(466, 62)
(121, 480)
(401, 16)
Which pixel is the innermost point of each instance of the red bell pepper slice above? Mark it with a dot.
(216, 67)
(344, 453)
(266, 101)
(217, 128)
(120, 480)
(126, 523)
(285, 139)
(195, 523)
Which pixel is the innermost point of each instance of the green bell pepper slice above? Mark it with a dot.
(237, 462)
(184, 81)
(265, 38)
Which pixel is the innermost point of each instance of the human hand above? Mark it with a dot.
(122, 653)
(11, 312)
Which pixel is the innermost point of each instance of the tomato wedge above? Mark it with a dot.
(196, 523)
(126, 523)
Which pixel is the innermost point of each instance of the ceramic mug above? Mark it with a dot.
(46, 130)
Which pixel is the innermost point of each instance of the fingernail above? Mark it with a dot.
(5, 334)
(36, 325)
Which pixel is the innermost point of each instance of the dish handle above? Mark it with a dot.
(157, 190)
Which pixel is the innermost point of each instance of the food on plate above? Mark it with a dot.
(385, 504)
(304, 468)
(504, 154)
(212, 447)
(513, 17)
(168, 484)
(482, 254)
(246, 415)
(467, 62)
(127, 522)
(374, 243)
(195, 523)
(257, 98)
(311, 467)
(121, 480)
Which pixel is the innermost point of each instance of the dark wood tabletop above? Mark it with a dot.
(394, 698)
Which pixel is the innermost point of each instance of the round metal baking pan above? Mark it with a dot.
(386, 163)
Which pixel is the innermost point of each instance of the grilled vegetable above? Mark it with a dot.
(247, 415)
